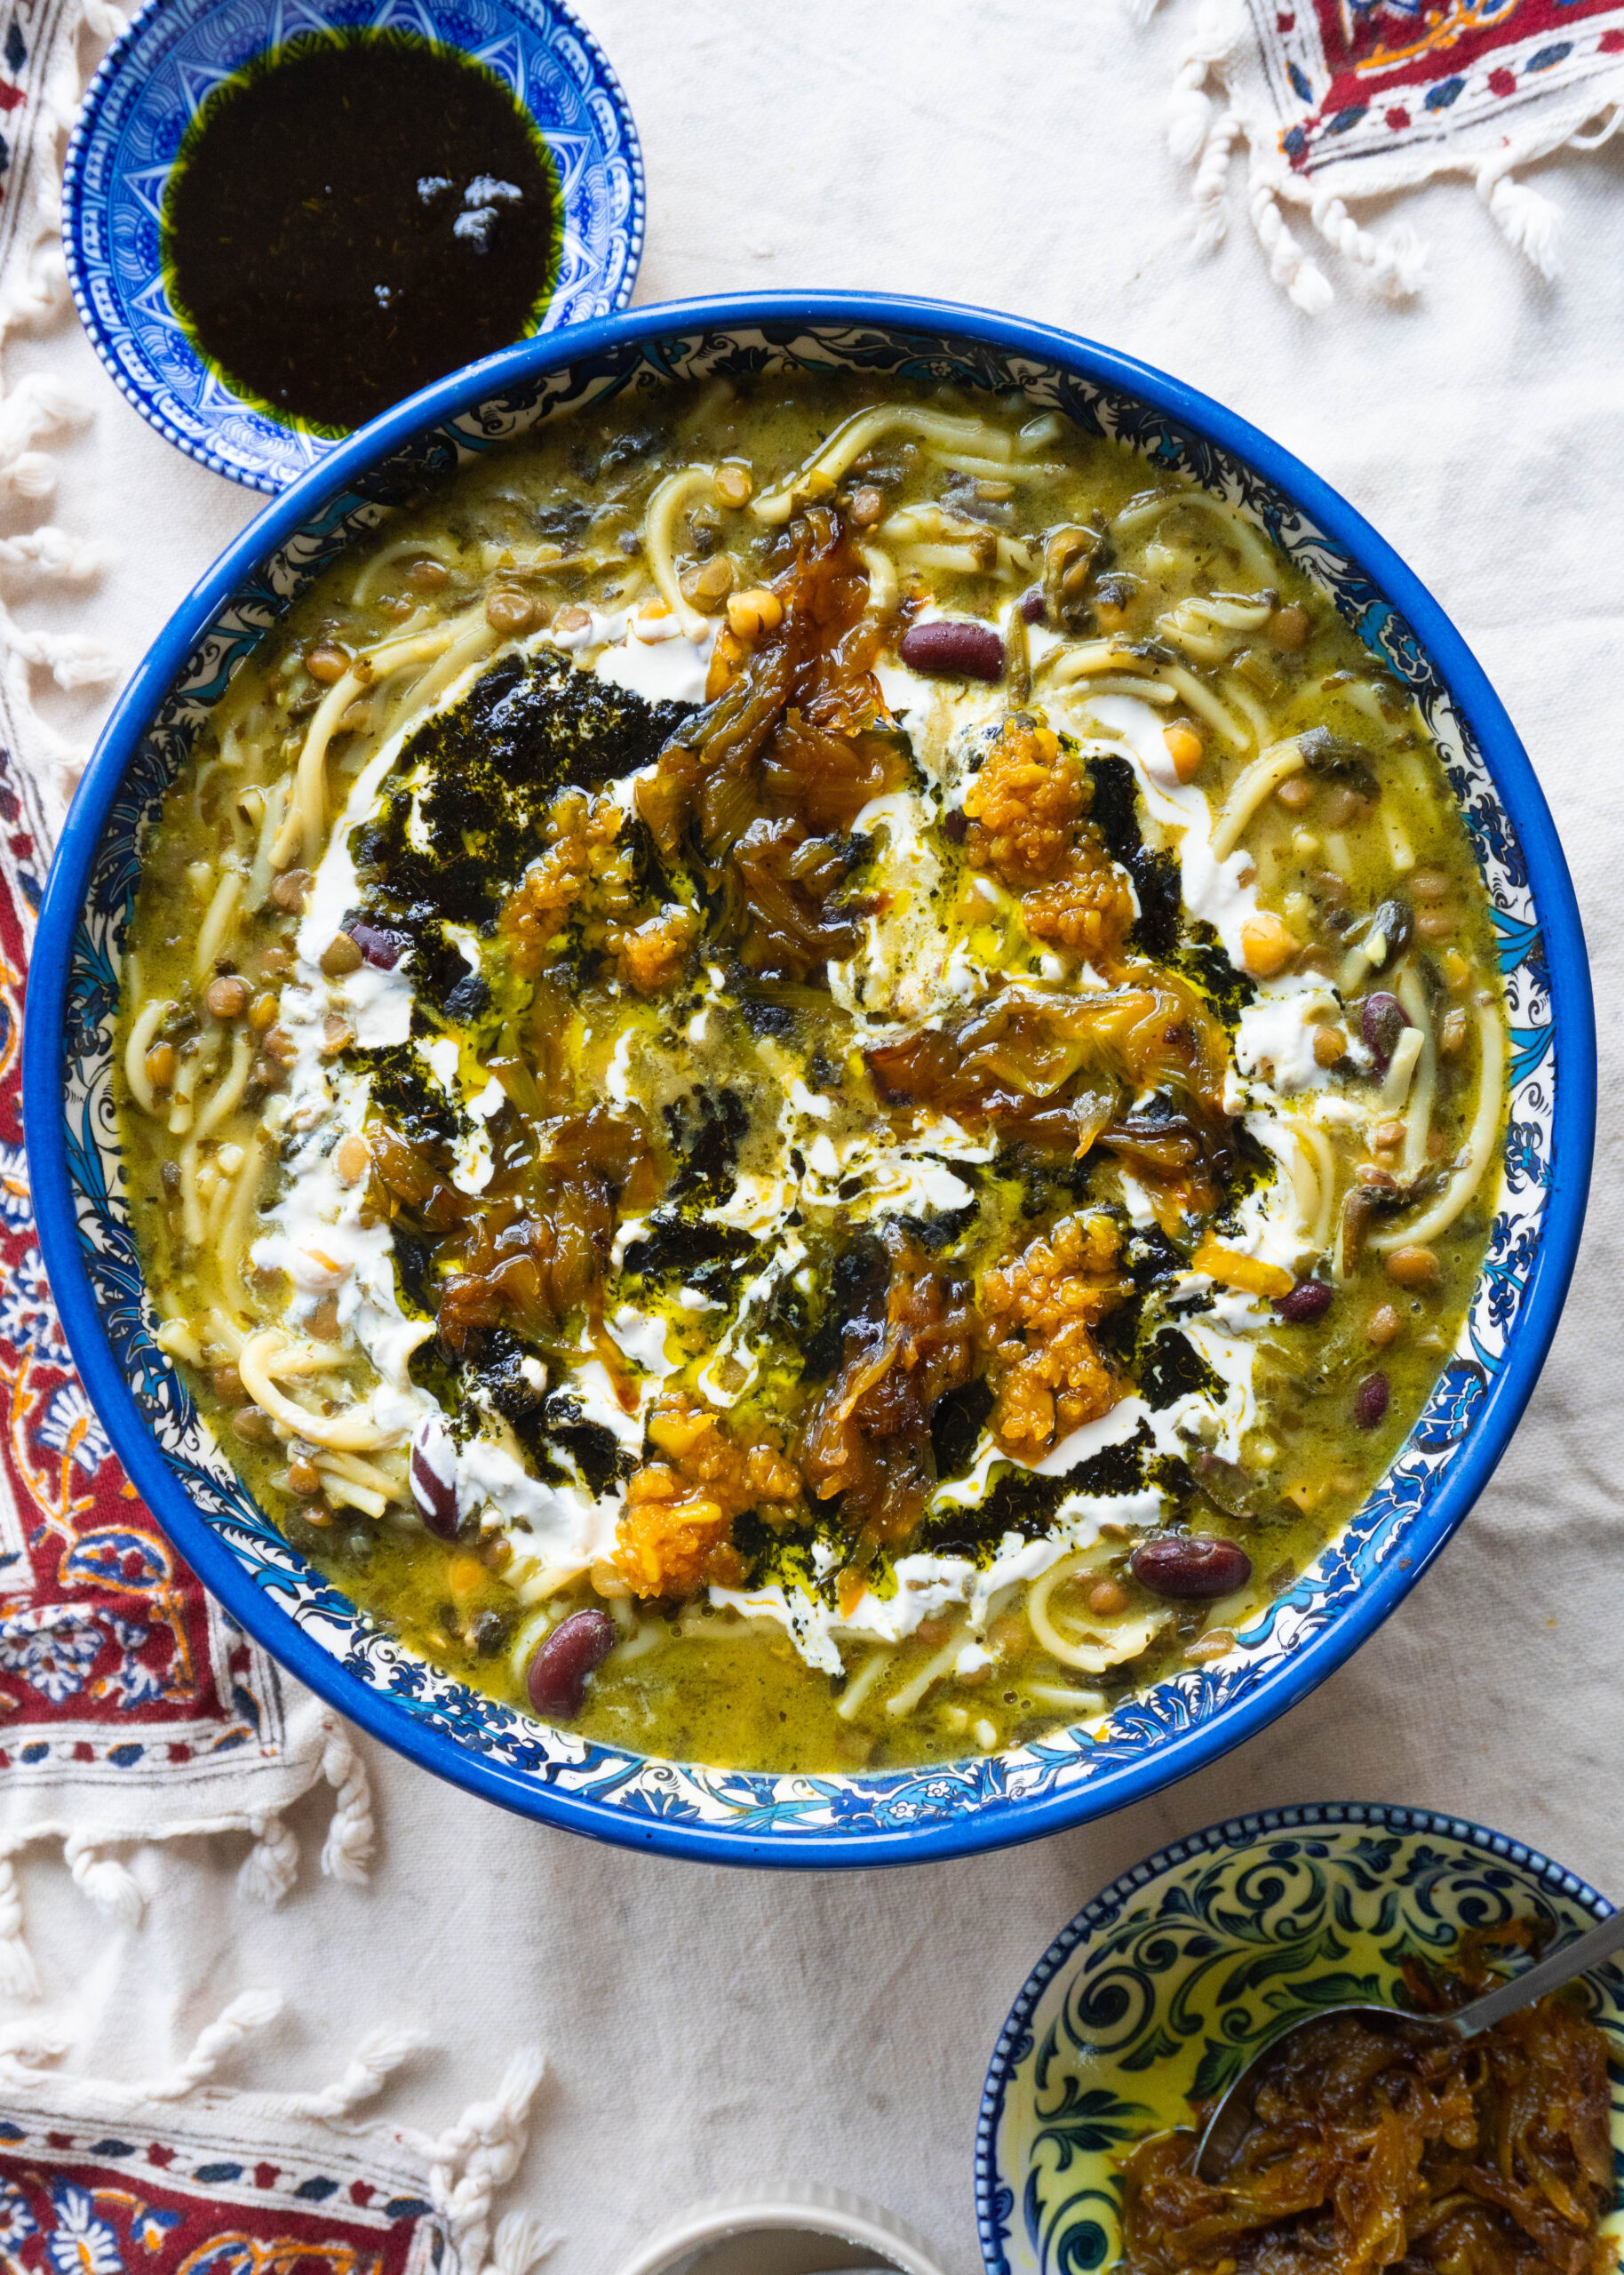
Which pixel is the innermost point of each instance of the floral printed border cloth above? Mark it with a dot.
(178, 2176)
(1351, 100)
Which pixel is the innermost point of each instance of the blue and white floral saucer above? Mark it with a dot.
(1162, 1986)
(158, 75)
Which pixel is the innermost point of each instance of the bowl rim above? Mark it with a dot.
(86, 122)
(1004, 1823)
(1256, 1826)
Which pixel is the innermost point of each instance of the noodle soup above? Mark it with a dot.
(809, 1080)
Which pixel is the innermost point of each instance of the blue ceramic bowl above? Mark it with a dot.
(681, 1808)
(1167, 1982)
(159, 73)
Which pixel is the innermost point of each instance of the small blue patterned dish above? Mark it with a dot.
(686, 1809)
(158, 77)
(1162, 1986)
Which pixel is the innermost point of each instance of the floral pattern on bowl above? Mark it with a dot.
(1159, 1987)
(835, 1819)
(160, 73)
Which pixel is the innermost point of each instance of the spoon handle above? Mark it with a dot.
(1558, 1968)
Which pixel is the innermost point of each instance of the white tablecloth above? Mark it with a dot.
(712, 2030)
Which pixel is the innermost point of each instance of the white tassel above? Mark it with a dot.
(373, 2062)
(1305, 284)
(1188, 106)
(1395, 265)
(480, 2151)
(270, 1866)
(521, 2242)
(51, 552)
(105, 1882)
(352, 1835)
(1206, 193)
(18, 1977)
(1528, 221)
(248, 2013)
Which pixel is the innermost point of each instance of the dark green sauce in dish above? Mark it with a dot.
(351, 218)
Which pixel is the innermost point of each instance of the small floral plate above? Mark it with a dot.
(1160, 1988)
(158, 75)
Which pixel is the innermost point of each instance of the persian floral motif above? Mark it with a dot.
(164, 67)
(1161, 1988)
(1406, 1516)
(1361, 78)
(110, 1653)
(92, 2202)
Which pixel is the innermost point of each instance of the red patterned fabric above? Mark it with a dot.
(1361, 79)
(216, 2193)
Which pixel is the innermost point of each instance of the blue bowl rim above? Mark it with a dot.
(1228, 1833)
(84, 130)
(1005, 1826)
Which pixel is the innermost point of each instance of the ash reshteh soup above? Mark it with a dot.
(811, 1073)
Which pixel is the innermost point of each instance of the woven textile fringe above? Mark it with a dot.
(1205, 125)
(465, 2168)
(268, 1873)
(37, 410)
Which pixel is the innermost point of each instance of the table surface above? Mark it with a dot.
(714, 2030)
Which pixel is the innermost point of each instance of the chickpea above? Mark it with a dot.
(341, 956)
(867, 505)
(162, 1066)
(734, 484)
(1330, 1045)
(1290, 627)
(227, 997)
(508, 611)
(1295, 793)
(351, 1159)
(1107, 1598)
(291, 890)
(752, 613)
(327, 662)
(1267, 944)
(1383, 1326)
(1415, 1267)
(1185, 748)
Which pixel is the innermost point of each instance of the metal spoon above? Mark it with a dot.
(1226, 2128)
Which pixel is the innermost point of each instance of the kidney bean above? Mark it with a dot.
(576, 1647)
(1191, 1564)
(955, 824)
(1370, 1400)
(435, 1496)
(1032, 606)
(1310, 1299)
(953, 644)
(1381, 1022)
(381, 947)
